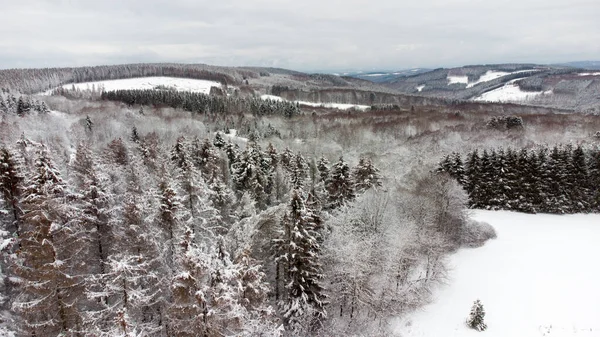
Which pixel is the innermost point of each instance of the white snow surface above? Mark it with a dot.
(340, 106)
(271, 97)
(457, 79)
(420, 88)
(181, 84)
(488, 76)
(589, 74)
(538, 278)
(510, 92)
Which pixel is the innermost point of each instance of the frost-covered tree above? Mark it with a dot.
(365, 175)
(297, 255)
(10, 186)
(340, 188)
(47, 265)
(476, 317)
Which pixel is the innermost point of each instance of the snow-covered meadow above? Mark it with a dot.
(510, 92)
(340, 106)
(180, 84)
(538, 278)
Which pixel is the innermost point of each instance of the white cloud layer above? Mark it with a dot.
(304, 35)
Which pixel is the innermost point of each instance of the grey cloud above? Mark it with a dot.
(303, 35)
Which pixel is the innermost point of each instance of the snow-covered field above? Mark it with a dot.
(589, 74)
(458, 79)
(488, 76)
(181, 84)
(340, 106)
(510, 92)
(538, 278)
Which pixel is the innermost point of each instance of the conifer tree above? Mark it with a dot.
(89, 125)
(476, 317)
(297, 253)
(47, 266)
(11, 186)
(365, 175)
(323, 167)
(339, 185)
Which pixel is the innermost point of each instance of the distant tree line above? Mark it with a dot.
(202, 103)
(30, 81)
(560, 180)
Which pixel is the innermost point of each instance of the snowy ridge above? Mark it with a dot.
(538, 278)
(179, 84)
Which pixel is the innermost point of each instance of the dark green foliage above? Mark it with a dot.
(202, 103)
(561, 180)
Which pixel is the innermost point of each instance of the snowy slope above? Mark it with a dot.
(538, 278)
(510, 92)
(488, 76)
(181, 84)
(340, 106)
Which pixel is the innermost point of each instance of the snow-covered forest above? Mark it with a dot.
(138, 213)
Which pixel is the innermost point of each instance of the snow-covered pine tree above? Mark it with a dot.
(473, 174)
(251, 172)
(10, 187)
(340, 188)
(365, 175)
(297, 255)
(580, 188)
(94, 205)
(323, 167)
(458, 168)
(476, 317)
(298, 171)
(188, 312)
(179, 153)
(47, 268)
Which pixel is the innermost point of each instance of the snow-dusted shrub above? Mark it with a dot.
(476, 233)
(475, 320)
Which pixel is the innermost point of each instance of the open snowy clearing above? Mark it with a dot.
(488, 76)
(180, 84)
(538, 278)
(340, 106)
(589, 74)
(510, 92)
(458, 79)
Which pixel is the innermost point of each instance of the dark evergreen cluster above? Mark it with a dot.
(202, 103)
(505, 123)
(21, 106)
(560, 180)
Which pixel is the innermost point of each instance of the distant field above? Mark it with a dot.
(173, 83)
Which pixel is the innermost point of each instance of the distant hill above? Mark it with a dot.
(387, 76)
(594, 65)
(560, 86)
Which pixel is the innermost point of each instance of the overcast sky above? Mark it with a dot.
(306, 35)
